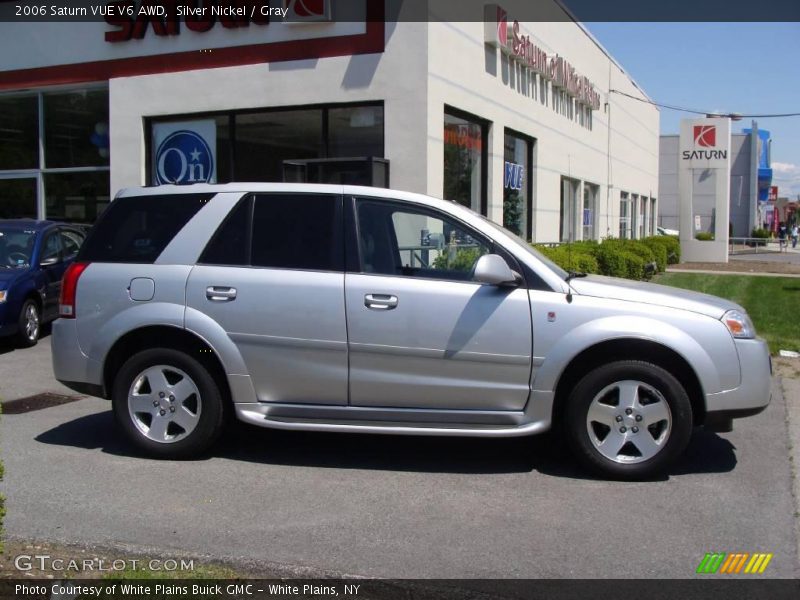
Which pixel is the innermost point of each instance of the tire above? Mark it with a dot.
(168, 404)
(628, 420)
(29, 324)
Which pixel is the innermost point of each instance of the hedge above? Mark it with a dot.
(616, 257)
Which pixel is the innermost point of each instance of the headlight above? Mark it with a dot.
(739, 324)
(3, 295)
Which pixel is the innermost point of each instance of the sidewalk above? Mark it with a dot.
(723, 272)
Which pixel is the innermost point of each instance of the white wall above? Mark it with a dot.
(396, 76)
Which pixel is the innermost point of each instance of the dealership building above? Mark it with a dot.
(532, 124)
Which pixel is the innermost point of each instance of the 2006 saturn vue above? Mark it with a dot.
(336, 308)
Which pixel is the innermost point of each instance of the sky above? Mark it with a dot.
(747, 68)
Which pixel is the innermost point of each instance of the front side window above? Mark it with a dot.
(71, 242)
(398, 240)
(51, 248)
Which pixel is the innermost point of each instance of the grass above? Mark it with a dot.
(772, 302)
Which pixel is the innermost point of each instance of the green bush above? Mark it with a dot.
(616, 257)
(635, 266)
(464, 259)
(576, 259)
(761, 234)
(704, 236)
(672, 244)
(659, 252)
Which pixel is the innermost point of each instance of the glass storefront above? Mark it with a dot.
(18, 198)
(76, 129)
(19, 133)
(55, 143)
(272, 144)
(465, 160)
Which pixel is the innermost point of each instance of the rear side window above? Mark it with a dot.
(298, 231)
(230, 245)
(136, 229)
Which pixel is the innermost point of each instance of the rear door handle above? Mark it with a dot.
(220, 293)
(380, 301)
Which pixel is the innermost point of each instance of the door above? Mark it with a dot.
(52, 267)
(272, 277)
(422, 334)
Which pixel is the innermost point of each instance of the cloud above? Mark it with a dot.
(787, 177)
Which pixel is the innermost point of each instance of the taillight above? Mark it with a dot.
(69, 288)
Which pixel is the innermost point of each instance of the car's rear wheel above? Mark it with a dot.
(29, 324)
(628, 420)
(168, 404)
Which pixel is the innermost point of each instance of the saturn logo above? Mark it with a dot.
(705, 136)
(307, 10)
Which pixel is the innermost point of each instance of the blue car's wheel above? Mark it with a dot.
(30, 324)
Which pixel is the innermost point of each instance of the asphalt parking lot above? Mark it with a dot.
(391, 506)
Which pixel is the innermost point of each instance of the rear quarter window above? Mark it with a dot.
(136, 229)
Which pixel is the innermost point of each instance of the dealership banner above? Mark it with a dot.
(184, 152)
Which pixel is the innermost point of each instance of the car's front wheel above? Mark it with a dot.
(628, 419)
(167, 403)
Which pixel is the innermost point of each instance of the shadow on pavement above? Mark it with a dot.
(9, 344)
(547, 454)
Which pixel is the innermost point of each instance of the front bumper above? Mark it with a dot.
(754, 392)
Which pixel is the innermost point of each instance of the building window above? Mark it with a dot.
(652, 216)
(279, 144)
(465, 159)
(590, 192)
(568, 210)
(54, 155)
(19, 124)
(517, 184)
(18, 198)
(624, 216)
(76, 129)
(639, 206)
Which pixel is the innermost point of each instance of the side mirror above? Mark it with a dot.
(492, 269)
(51, 260)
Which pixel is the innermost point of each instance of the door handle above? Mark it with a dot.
(220, 293)
(380, 301)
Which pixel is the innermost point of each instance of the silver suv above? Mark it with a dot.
(332, 308)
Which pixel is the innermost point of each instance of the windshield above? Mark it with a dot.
(16, 247)
(525, 246)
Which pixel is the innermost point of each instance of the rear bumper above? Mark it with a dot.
(70, 365)
(754, 392)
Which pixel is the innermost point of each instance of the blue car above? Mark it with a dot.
(33, 258)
